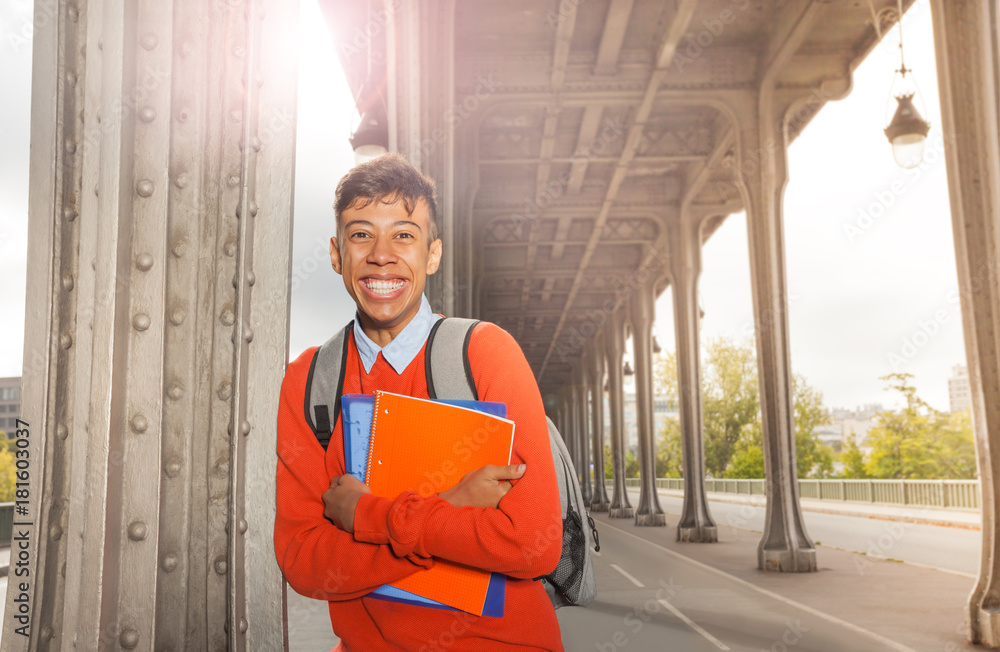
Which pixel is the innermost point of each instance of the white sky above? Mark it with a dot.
(853, 300)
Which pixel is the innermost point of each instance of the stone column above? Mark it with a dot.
(162, 161)
(583, 438)
(614, 344)
(968, 62)
(641, 305)
(595, 359)
(762, 174)
(684, 240)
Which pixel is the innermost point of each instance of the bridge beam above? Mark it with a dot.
(762, 173)
(595, 360)
(968, 63)
(162, 157)
(642, 307)
(684, 239)
(614, 349)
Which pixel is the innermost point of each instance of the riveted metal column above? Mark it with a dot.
(684, 240)
(614, 343)
(583, 438)
(595, 359)
(649, 511)
(762, 174)
(968, 62)
(160, 130)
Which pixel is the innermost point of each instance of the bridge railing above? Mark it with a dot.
(950, 494)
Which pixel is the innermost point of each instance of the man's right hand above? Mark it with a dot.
(483, 487)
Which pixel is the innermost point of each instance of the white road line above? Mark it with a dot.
(693, 625)
(899, 647)
(627, 576)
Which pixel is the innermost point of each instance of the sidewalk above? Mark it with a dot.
(912, 513)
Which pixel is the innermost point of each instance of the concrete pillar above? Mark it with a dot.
(762, 174)
(595, 359)
(968, 63)
(641, 305)
(684, 239)
(614, 345)
(583, 413)
(162, 162)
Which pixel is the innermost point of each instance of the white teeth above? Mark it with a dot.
(383, 287)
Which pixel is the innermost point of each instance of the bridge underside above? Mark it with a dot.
(584, 151)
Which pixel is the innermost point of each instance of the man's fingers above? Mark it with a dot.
(511, 472)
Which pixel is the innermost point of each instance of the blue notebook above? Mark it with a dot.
(357, 411)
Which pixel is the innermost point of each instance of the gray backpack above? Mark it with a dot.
(446, 366)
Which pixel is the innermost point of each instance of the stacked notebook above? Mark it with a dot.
(396, 443)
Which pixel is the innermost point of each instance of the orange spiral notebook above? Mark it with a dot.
(422, 445)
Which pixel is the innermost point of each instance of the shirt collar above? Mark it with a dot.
(401, 351)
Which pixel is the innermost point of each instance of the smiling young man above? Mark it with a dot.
(334, 540)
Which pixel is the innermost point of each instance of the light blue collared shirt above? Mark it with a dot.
(399, 353)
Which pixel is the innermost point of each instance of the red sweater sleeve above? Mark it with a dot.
(317, 558)
(523, 536)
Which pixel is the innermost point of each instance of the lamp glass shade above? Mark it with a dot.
(908, 150)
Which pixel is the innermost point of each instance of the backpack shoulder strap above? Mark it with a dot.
(326, 381)
(446, 359)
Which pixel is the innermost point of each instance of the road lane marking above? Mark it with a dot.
(627, 576)
(693, 625)
(893, 645)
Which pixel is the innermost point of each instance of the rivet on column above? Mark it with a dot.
(69, 214)
(71, 78)
(139, 424)
(251, 278)
(129, 638)
(69, 146)
(243, 526)
(177, 316)
(227, 317)
(253, 205)
(233, 180)
(46, 633)
(245, 428)
(147, 114)
(179, 248)
(67, 282)
(255, 143)
(175, 391)
(220, 565)
(172, 468)
(243, 625)
(169, 562)
(141, 321)
(181, 180)
(186, 48)
(55, 532)
(248, 334)
(149, 41)
(73, 12)
(229, 248)
(225, 390)
(144, 262)
(62, 431)
(137, 531)
(65, 340)
(144, 188)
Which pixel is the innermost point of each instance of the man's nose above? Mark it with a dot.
(381, 251)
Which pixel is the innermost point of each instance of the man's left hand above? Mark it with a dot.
(341, 499)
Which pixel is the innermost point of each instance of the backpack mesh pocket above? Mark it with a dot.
(568, 575)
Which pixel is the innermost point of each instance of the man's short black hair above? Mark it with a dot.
(387, 179)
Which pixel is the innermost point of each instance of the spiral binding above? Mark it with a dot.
(371, 441)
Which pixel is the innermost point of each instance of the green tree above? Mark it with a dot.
(631, 463)
(853, 459)
(813, 458)
(7, 477)
(748, 455)
(919, 442)
(730, 399)
(669, 454)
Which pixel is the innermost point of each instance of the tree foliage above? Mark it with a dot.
(732, 420)
(7, 477)
(917, 441)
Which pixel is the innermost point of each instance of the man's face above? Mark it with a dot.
(385, 257)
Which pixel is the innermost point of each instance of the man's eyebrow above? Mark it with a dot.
(396, 223)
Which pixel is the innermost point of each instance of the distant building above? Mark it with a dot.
(663, 409)
(959, 392)
(10, 404)
(855, 424)
(830, 434)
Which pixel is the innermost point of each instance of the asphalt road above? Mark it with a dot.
(948, 548)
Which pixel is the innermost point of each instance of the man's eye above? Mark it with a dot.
(358, 235)
(404, 235)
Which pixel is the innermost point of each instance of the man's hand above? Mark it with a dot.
(483, 487)
(341, 499)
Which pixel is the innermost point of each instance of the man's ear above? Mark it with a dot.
(434, 259)
(335, 254)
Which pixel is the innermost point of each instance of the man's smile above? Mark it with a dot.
(383, 288)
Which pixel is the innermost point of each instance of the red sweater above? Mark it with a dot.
(393, 538)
